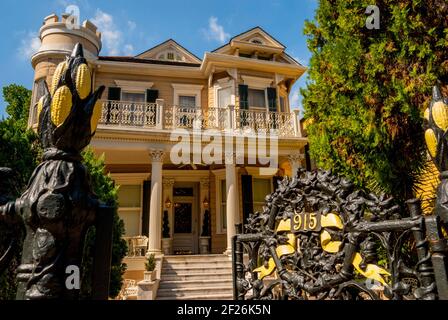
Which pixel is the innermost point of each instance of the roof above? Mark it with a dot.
(148, 61)
(167, 41)
(247, 31)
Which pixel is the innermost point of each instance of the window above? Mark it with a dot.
(260, 189)
(257, 98)
(223, 205)
(133, 97)
(245, 55)
(129, 199)
(224, 97)
(187, 101)
(170, 56)
(38, 92)
(256, 41)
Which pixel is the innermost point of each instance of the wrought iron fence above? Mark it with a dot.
(319, 237)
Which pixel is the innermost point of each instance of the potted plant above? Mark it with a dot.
(150, 268)
(204, 239)
(167, 242)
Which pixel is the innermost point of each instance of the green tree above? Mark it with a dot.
(105, 189)
(367, 89)
(19, 150)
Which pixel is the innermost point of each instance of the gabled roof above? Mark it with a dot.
(170, 43)
(246, 34)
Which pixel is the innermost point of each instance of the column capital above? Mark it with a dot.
(296, 157)
(229, 157)
(168, 182)
(156, 155)
(205, 183)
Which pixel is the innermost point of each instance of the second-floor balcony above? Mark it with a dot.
(161, 117)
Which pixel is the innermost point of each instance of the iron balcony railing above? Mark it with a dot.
(158, 116)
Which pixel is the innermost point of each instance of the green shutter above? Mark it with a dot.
(307, 157)
(114, 93)
(272, 99)
(248, 207)
(152, 95)
(275, 181)
(244, 96)
(145, 207)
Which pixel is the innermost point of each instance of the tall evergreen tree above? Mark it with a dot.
(368, 88)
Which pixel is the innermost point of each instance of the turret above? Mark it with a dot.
(58, 37)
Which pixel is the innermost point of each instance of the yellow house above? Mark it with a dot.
(236, 97)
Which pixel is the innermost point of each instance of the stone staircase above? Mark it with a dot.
(201, 277)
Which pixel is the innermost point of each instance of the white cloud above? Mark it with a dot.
(128, 50)
(216, 31)
(112, 36)
(29, 45)
(132, 25)
(294, 99)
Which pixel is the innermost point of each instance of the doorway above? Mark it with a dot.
(186, 219)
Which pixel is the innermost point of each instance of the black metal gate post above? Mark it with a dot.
(438, 256)
(103, 253)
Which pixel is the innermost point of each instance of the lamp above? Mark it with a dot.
(205, 203)
(168, 203)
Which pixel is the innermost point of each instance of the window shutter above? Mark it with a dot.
(248, 208)
(152, 95)
(145, 207)
(307, 157)
(244, 96)
(272, 99)
(114, 93)
(275, 181)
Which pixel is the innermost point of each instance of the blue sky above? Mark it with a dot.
(130, 27)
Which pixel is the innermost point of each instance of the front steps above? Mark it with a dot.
(201, 277)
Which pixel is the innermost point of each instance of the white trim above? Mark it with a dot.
(130, 178)
(133, 181)
(257, 82)
(220, 175)
(133, 86)
(224, 84)
(188, 90)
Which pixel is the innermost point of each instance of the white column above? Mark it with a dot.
(295, 162)
(155, 205)
(297, 127)
(232, 204)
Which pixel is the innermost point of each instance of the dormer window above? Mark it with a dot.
(256, 41)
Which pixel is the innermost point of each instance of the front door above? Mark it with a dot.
(185, 240)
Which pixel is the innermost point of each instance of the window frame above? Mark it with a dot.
(132, 179)
(121, 209)
(221, 84)
(187, 90)
(220, 175)
(270, 183)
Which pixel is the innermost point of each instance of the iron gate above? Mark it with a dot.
(319, 237)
